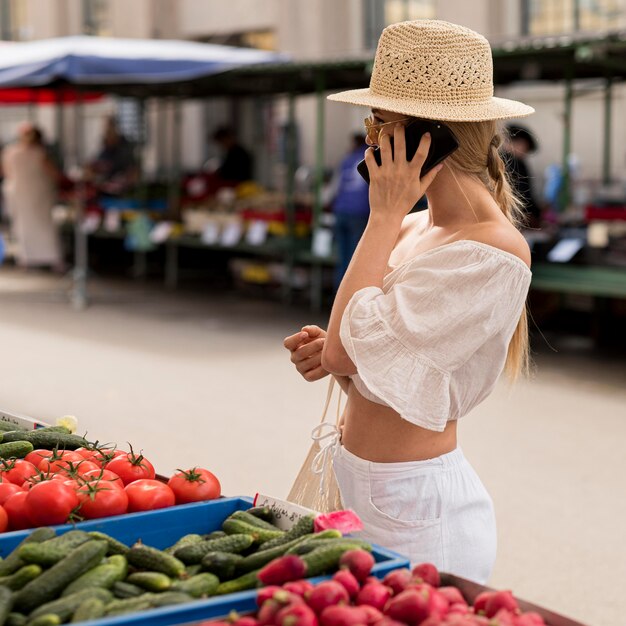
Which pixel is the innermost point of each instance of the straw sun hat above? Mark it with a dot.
(434, 70)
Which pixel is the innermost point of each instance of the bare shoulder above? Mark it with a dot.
(503, 236)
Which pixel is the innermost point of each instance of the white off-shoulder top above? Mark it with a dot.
(433, 341)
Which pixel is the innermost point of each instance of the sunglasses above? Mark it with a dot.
(373, 129)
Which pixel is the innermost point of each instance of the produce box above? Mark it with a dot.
(471, 589)
(162, 528)
(21, 421)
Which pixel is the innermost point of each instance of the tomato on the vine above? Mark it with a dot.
(104, 475)
(36, 457)
(51, 502)
(18, 512)
(195, 485)
(17, 470)
(7, 489)
(100, 456)
(101, 499)
(147, 495)
(130, 467)
(4, 520)
(61, 461)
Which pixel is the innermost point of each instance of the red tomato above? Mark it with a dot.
(18, 512)
(37, 456)
(4, 520)
(104, 475)
(102, 500)
(18, 470)
(51, 502)
(195, 485)
(7, 489)
(146, 494)
(130, 467)
(62, 461)
(101, 456)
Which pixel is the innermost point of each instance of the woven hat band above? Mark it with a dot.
(432, 61)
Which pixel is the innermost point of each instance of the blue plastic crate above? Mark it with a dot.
(164, 527)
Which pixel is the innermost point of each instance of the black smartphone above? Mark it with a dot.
(443, 143)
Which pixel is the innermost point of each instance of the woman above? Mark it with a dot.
(432, 308)
(30, 193)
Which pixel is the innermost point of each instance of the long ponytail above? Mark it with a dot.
(479, 155)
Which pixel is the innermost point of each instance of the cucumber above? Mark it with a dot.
(168, 598)
(115, 546)
(314, 540)
(325, 559)
(192, 570)
(46, 439)
(262, 512)
(49, 585)
(8, 427)
(53, 550)
(23, 576)
(6, 603)
(243, 583)
(150, 581)
(93, 608)
(128, 605)
(15, 449)
(65, 607)
(123, 590)
(49, 619)
(257, 522)
(236, 526)
(187, 540)
(357, 544)
(104, 575)
(304, 526)
(222, 564)
(258, 559)
(145, 557)
(216, 534)
(16, 619)
(190, 555)
(54, 429)
(13, 562)
(199, 586)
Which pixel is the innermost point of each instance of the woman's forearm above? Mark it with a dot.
(367, 269)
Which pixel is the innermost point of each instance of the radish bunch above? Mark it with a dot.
(402, 598)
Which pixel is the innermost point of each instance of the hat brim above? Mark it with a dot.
(492, 109)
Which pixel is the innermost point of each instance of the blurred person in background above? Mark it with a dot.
(114, 171)
(351, 206)
(521, 143)
(30, 191)
(236, 162)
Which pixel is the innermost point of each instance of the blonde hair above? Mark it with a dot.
(479, 156)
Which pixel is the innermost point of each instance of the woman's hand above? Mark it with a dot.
(395, 185)
(306, 352)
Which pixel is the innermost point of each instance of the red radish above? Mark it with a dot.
(500, 600)
(502, 618)
(327, 594)
(299, 587)
(398, 580)
(268, 612)
(246, 620)
(374, 594)
(345, 521)
(410, 606)
(529, 619)
(458, 607)
(439, 604)
(283, 570)
(373, 614)
(266, 593)
(387, 621)
(428, 573)
(343, 616)
(480, 602)
(453, 595)
(296, 615)
(346, 578)
(433, 620)
(359, 562)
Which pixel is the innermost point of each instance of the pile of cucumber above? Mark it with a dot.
(17, 444)
(49, 580)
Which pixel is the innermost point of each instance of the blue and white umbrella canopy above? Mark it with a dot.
(101, 62)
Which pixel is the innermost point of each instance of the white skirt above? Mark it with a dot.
(435, 511)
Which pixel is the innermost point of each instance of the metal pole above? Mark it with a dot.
(174, 195)
(79, 287)
(290, 205)
(565, 192)
(606, 156)
(316, 267)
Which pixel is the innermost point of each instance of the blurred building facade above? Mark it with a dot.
(327, 29)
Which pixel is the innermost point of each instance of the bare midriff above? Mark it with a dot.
(377, 433)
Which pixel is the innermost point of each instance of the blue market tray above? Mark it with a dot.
(164, 527)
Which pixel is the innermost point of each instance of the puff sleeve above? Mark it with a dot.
(409, 340)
